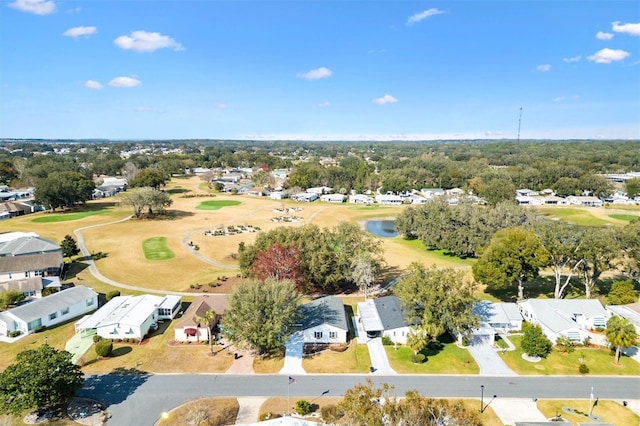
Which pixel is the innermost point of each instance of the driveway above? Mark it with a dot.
(378, 355)
(512, 410)
(488, 359)
(293, 355)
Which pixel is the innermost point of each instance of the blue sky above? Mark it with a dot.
(322, 70)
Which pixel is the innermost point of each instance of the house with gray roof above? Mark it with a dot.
(572, 318)
(324, 320)
(384, 316)
(25, 255)
(48, 311)
(630, 312)
(494, 318)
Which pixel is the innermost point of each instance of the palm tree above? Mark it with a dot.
(620, 333)
(207, 318)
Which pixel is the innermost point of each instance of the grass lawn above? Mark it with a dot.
(611, 412)
(449, 360)
(268, 364)
(215, 411)
(626, 217)
(216, 204)
(438, 256)
(573, 215)
(64, 217)
(278, 406)
(599, 361)
(155, 248)
(353, 360)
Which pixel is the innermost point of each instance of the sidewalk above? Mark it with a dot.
(511, 410)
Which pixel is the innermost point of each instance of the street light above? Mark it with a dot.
(482, 405)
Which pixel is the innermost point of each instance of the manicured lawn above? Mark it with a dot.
(65, 217)
(599, 361)
(437, 255)
(268, 364)
(155, 248)
(572, 215)
(216, 204)
(451, 359)
(627, 217)
(611, 412)
(353, 360)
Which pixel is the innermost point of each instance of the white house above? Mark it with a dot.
(333, 198)
(25, 255)
(572, 318)
(127, 317)
(587, 201)
(525, 192)
(48, 311)
(32, 286)
(388, 200)
(278, 195)
(319, 190)
(384, 317)
(431, 192)
(324, 320)
(495, 318)
(630, 312)
(554, 200)
(305, 197)
(526, 200)
(361, 199)
(417, 199)
(189, 328)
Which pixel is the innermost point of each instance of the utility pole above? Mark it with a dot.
(519, 123)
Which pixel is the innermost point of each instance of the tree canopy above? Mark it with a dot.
(514, 256)
(148, 178)
(149, 199)
(261, 315)
(63, 189)
(69, 246)
(621, 333)
(40, 378)
(438, 299)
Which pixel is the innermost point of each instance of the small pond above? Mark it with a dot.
(382, 228)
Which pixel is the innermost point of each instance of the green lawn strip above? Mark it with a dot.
(611, 412)
(627, 217)
(354, 360)
(436, 254)
(155, 248)
(216, 204)
(599, 361)
(65, 217)
(450, 360)
(575, 216)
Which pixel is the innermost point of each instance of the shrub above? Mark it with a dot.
(417, 358)
(583, 369)
(48, 291)
(303, 407)
(112, 294)
(40, 329)
(534, 342)
(15, 333)
(330, 413)
(104, 348)
(268, 415)
(565, 344)
(386, 340)
(96, 338)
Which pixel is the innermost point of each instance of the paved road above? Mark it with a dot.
(140, 400)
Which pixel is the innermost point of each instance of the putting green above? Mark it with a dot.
(68, 216)
(216, 204)
(627, 217)
(156, 249)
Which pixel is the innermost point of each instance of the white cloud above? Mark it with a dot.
(386, 99)
(324, 104)
(572, 59)
(601, 35)
(424, 15)
(606, 56)
(543, 68)
(220, 105)
(38, 7)
(316, 74)
(631, 29)
(92, 84)
(560, 99)
(79, 31)
(124, 82)
(143, 41)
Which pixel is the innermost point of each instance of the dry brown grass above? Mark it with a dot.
(203, 412)
(610, 411)
(268, 364)
(279, 405)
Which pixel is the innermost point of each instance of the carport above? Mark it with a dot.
(369, 318)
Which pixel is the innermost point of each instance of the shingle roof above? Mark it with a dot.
(556, 313)
(199, 308)
(390, 312)
(28, 245)
(496, 313)
(22, 285)
(325, 310)
(31, 262)
(53, 303)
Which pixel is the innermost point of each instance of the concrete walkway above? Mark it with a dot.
(242, 364)
(488, 359)
(293, 355)
(249, 410)
(378, 355)
(511, 410)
